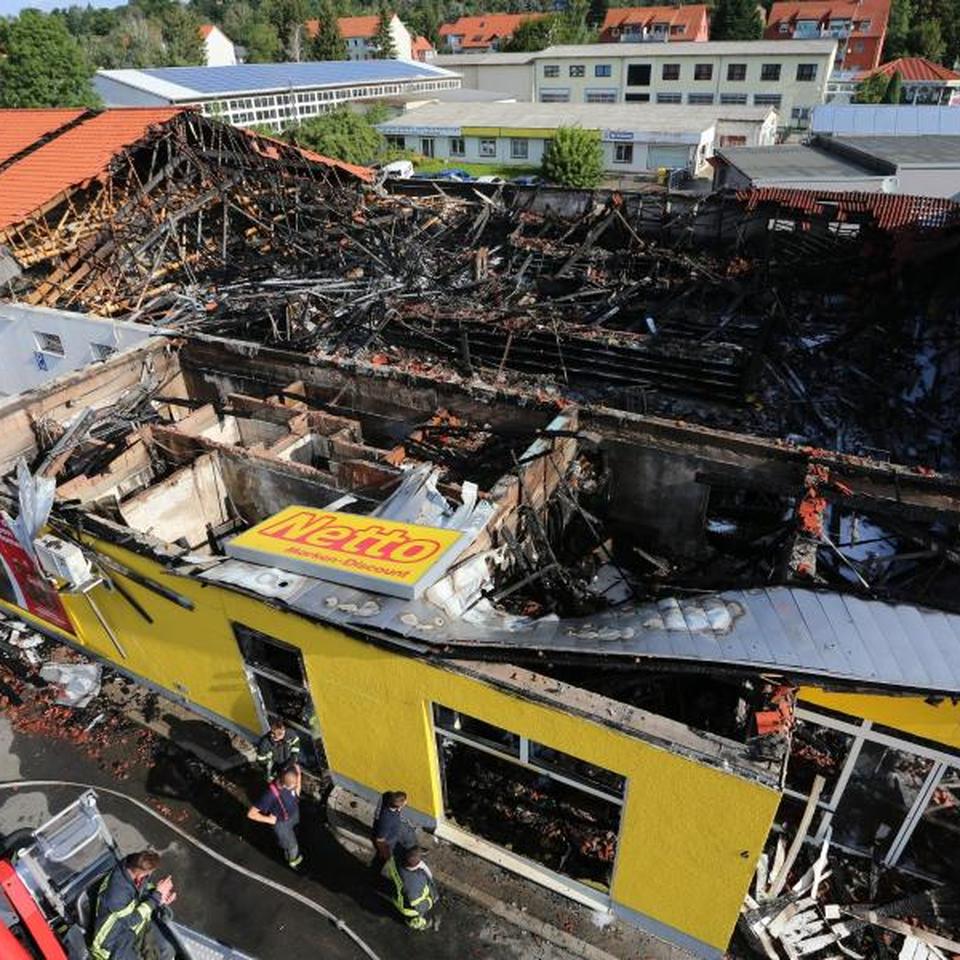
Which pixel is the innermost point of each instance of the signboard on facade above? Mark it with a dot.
(385, 556)
(618, 135)
(415, 131)
(23, 585)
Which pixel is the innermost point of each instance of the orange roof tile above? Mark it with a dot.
(205, 30)
(916, 70)
(365, 27)
(30, 125)
(484, 30)
(689, 16)
(79, 154)
(421, 43)
(789, 11)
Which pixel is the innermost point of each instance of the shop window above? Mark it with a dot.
(883, 786)
(519, 149)
(623, 153)
(934, 847)
(457, 147)
(426, 146)
(816, 750)
(540, 803)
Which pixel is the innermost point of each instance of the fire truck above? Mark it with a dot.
(48, 884)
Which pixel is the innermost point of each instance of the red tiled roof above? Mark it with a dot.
(690, 17)
(889, 211)
(484, 30)
(79, 154)
(205, 30)
(915, 69)
(365, 27)
(271, 147)
(421, 44)
(789, 11)
(30, 125)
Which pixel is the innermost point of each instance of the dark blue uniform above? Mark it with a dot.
(283, 804)
(123, 918)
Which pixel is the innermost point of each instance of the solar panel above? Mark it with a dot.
(251, 77)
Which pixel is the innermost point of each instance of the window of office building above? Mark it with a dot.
(603, 70)
(637, 97)
(638, 75)
(551, 70)
(733, 99)
(800, 113)
(488, 148)
(767, 99)
(543, 804)
(671, 71)
(519, 149)
(600, 96)
(699, 99)
(806, 71)
(736, 71)
(555, 95)
(623, 153)
(669, 98)
(770, 72)
(457, 147)
(703, 71)
(577, 70)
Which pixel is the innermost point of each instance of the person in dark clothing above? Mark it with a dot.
(278, 749)
(413, 891)
(124, 927)
(391, 829)
(280, 808)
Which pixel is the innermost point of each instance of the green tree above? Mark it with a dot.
(531, 35)
(341, 134)
(574, 158)
(180, 29)
(44, 66)
(736, 20)
(894, 91)
(288, 18)
(597, 13)
(328, 44)
(871, 89)
(897, 42)
(383, 38)
(263, 43)
(926, 39)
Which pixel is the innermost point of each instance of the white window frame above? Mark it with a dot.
(462, 143)
(488, 153)
(515, 145)
(624, 147)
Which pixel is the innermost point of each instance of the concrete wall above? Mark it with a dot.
(514, 79)
(27, 365)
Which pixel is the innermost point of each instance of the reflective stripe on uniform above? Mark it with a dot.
(97, 949)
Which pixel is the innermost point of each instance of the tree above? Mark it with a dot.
(262, 42)
(288, 18)
(597, 13)
(328, 44)
(926, 39)
(736, 20)
(341, 134)
(180, 29)
(383, 38)
(574, 158)
(532, 35)
(897, 40)
(872, 89)
(894, 91)
(44, 66)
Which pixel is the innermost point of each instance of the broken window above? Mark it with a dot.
(540, 803)
(816, 750)
(934, 846)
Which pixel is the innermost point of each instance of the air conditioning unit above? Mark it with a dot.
(63, 561)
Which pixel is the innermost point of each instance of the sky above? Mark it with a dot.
(8, 7)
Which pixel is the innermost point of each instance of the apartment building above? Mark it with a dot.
(791, 78)
(359, 34)
(656, 24)
(858, 26)
(484, 33)
(633, 139)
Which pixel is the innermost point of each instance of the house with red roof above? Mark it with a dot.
(422, 49)
(360, 33)
(924, 82)
(663, 24)
(859, 26)
(483, 34)
(218, 48)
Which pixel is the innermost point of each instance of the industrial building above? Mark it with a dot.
(634, 139)
(272, 94)
(560, 510)
(791, 77)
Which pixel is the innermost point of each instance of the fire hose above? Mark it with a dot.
(244, 871)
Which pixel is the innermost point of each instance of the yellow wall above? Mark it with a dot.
(939, 722)
(690, 835)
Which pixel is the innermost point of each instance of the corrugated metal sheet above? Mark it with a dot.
(884, 120)
(76, 156)
(20, 128)
(889, 211)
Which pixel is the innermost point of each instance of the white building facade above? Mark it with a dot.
(218, 48)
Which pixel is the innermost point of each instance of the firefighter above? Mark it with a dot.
(391, 829)
(280, 808)
(127, 903)
(413, 891)
(277, 749)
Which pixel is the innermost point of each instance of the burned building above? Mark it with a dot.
(633, 522)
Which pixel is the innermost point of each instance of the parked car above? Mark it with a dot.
(529, 180)
(490, 179)
(401, 169)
